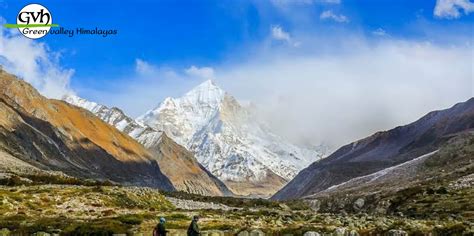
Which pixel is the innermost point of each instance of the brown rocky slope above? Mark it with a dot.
(53, 135)
(382, 150)
(176, 162)
(184, 171)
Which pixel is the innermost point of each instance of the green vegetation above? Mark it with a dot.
(69, 206)
(15, 180)
(106, 210)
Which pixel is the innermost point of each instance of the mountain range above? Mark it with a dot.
(53, 135)
(224, 136)
(378, 158)
(207, 143)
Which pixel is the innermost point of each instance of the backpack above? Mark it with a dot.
(190, 230)
(155, 231)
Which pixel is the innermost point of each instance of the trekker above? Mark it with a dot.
(160, 229)
(193, 229)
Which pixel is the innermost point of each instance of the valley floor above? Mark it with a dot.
(79, 210)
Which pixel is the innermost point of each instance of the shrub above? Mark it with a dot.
(130, 219)
(178, 216)
(99, 227)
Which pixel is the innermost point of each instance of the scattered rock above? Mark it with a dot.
(41, 234)
(463, 182)
(257, 232)
(285, 207)
(314, 204)
(397, 232)
(339, 231)
(358, 204)
(195, 205)
(382, 207)
(311, 233)
(243, 233)
(399, 214)
(353, 233)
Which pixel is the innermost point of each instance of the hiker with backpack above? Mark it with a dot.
(193, 229)
(160, 229)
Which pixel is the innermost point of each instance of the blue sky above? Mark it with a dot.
(164, 48)
(180, 33)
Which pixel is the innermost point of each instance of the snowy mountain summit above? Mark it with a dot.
(225, 137)
(228, 140)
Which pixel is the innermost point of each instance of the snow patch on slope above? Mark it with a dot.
(381, 173)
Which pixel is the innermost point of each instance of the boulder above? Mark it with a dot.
(397, 232)
(359, 203)
(41, 234)
(340, 231)
(314, 204)
(257, 232)
(243, 233)
(353, 233)
(311, 233)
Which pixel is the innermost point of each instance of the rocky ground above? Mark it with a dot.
(185, 204)
(77, 210)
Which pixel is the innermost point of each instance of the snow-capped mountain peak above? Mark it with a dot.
(182, 117)
(191, 177)
(80, 102)
(228, 140)
(205, 93)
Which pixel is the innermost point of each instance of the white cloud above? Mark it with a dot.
(379, 32)
(278, 33)
(329, 15)
(35, 63)
(451, 9)
(144, 68)
(201, 72)
(342, 96)
(145, 88)
(334, 97)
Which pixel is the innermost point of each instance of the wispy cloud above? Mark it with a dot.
(353, 89)
(452, 9)
(278, 33)
(142, 67)
(201, 72)
(330, 15)
(35, 63)
(345, 95)
(148, 85)
(380, 32)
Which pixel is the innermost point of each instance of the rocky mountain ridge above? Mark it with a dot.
(55, 136)
(52, 135)
(382, 150)
(177, 163)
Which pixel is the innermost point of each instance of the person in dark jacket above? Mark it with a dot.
(160, 229)
(193, 229)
